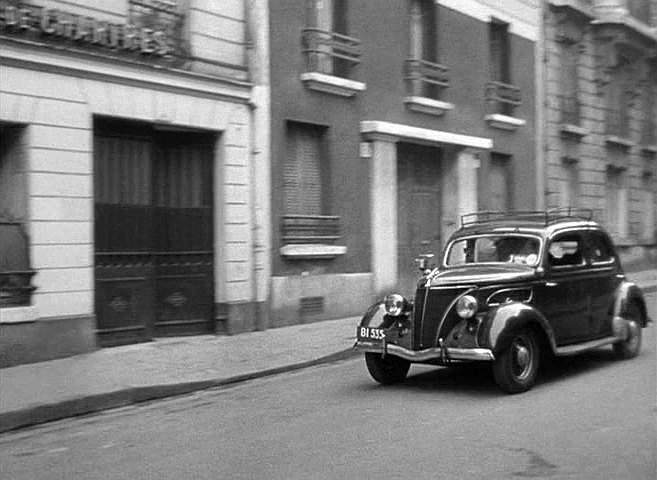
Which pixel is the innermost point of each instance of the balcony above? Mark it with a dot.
(425, 83)
(331, 59)
(502, 100)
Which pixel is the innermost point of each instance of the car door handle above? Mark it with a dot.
(620, 276)
(551, 284)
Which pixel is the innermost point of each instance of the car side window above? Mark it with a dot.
(600, 249)
(566, 251)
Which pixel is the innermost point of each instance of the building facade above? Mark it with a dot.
(389, 120)
(133, 187)
(601, 123)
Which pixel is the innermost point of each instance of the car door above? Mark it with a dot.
(563, 297)
(605, 278)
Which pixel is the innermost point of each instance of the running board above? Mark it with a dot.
(583, 347)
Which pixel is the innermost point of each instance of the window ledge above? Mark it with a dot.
(504, 122)
(428, 105)
(619, 141)
(306, 251)
(649, 148)
(341, 87)
(573, 130)
(16, 315)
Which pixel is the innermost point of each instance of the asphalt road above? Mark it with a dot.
(589, 417)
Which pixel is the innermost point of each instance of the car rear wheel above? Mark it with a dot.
(516, 366)
(630, 346)
(386, 370)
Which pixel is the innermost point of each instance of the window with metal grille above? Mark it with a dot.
(427, 77)
(330, 48)
(500, 93)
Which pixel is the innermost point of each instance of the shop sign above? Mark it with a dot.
(55, 24)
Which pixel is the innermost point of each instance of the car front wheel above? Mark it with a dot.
(386, 370)
(516, 366)
(630, 346)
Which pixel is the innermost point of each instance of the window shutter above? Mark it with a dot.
(302, 172)
(310, 185)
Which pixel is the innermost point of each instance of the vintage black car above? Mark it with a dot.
(510, 288)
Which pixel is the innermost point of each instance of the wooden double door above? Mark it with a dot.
(154, 262)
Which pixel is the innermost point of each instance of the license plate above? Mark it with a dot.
(367, 333)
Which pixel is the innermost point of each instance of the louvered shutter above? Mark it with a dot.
(302, 172)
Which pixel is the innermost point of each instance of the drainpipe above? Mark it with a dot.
(541, 60)
(257, 48)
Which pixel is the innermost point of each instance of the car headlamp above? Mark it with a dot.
(466, 306)
(394, 304)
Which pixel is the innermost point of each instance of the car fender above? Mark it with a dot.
(509, 318)
(375, 316)
(626, 293)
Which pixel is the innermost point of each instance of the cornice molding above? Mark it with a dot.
(28, 55)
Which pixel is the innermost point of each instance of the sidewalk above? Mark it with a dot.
(114, 377)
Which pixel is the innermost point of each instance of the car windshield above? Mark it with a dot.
(518, 249)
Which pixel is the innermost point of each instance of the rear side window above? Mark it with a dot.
(566, 250)
(600, 248)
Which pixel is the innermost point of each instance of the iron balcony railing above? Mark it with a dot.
(330, 52)
(310, 228)
(570, 109)
(502, 97)
(425, 79)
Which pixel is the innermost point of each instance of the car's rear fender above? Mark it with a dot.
(502, 322)
(626, 294)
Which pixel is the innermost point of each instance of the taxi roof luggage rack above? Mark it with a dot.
(546, 217)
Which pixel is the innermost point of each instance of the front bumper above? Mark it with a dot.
(444, 354)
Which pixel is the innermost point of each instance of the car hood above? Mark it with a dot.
(483, 274)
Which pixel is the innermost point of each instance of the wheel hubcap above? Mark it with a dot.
(632, 334)
(522, 358)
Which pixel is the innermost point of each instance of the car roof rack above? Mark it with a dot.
(544, 217)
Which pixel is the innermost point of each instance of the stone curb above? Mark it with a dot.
(132, 395)
(32, 416)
